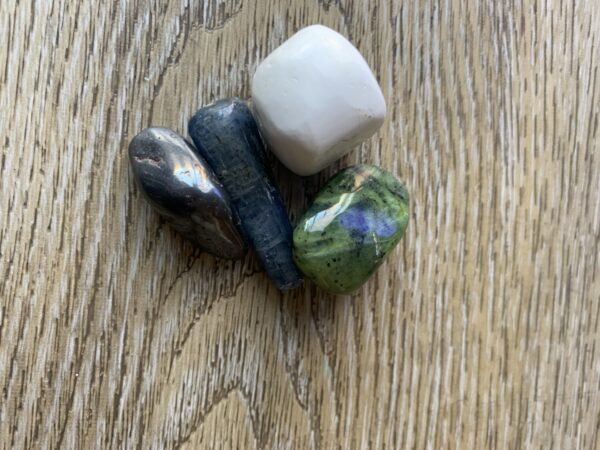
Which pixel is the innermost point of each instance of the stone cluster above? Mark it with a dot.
(313, 99)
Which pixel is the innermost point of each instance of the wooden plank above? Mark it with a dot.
(479, 332)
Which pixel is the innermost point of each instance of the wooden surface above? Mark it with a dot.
(480, 331)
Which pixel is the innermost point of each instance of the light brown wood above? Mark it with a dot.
(481, 329)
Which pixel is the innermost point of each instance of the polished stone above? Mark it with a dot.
(352, 225)
(227, 136)
(183, 189)
(316, 98)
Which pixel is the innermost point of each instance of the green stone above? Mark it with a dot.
(354, 222)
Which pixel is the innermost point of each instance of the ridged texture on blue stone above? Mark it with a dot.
(227, 136)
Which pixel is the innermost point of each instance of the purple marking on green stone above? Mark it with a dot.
(363, 222)
(384, 225)
(355, 219)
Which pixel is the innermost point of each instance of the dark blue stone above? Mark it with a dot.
(227, 137)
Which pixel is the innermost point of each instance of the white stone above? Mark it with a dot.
(316, 98)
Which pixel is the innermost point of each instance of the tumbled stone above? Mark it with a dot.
(352, 225)
(227, 136)
(183, 189)
(316, 98)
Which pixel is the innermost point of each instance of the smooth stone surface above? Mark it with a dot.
(316, 98)
(183, 189)
(227, 136)
(351, 226)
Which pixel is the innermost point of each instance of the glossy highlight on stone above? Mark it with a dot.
(183, 189)
(352, 225)
(227, 136)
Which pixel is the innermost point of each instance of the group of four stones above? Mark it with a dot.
(314, 98)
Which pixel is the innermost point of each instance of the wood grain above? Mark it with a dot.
(479, 332)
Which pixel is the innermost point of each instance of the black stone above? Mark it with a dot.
(183, 189)
(227, 136)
